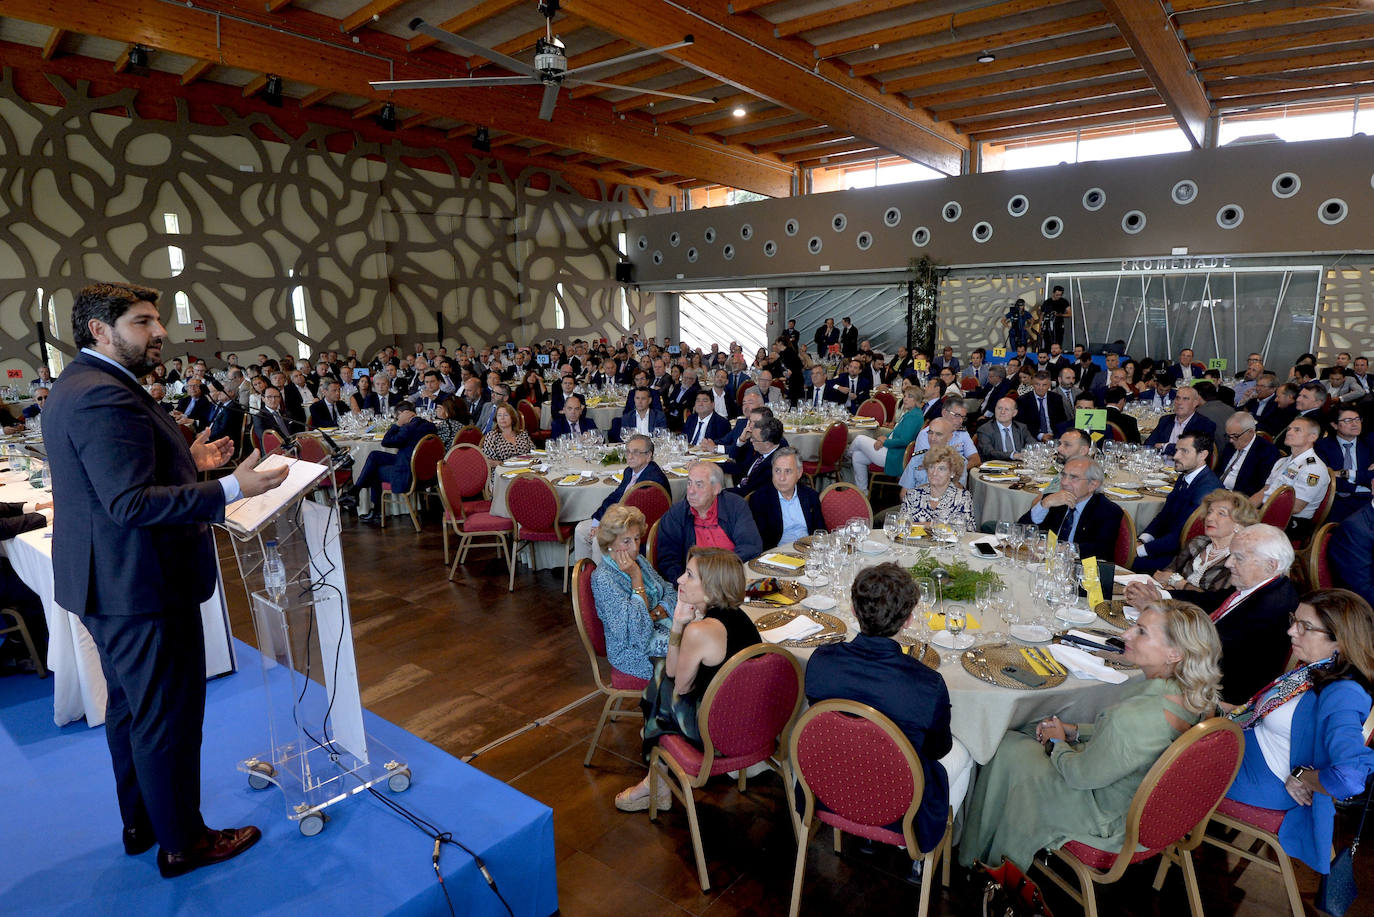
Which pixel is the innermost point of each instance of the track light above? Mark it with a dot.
(739, 111)
(386, 118)
(271, 93)
(138, 59)
(481, 142)
(986, 57)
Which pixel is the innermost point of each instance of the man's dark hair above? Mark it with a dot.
(1316, 387)
(883, 597)
(979, 351)
(432, 372)
(405, 406)
(1202, 442)
(1057, 289)
(1207, 390)
(1290, 388)
(1163, 378)
(105, 302)
(770, 429)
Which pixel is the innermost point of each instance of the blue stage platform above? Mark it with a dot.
(62, 853)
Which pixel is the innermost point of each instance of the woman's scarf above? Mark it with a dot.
(1277, 693)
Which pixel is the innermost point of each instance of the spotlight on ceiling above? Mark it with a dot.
(986, 57)
(386, 118)
(481, 142)
(138, 59)
(739, 111)
(271, 92)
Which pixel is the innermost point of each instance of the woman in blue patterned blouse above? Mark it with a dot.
(634, 603)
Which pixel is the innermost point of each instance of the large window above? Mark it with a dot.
(1119, 142)
(723, 316)
(1312, 121)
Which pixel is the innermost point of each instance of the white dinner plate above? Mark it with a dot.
(819, 602)
(813, 581)
(1030, 633)
(947, 641)
(873, 548)
(1070, 615)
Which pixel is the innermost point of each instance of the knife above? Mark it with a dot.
(1089, 644)
(1036, 665)
(1051, 662)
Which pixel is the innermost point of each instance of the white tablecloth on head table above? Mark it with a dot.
(808, 444)
(360, 449)
(78, 680)
(994, 501)
(982, 713)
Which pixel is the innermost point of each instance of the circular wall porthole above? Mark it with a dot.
(920, 237)
(770, 248)
(1051, 227)
(709, 235)
(1185, 192)
(658, 257)
(1094, 198)
(643, 243)
(746, 232)
(691, 256)
(838, 222)
(982, 231)
(952, 211)
(1133, 222)
(728, 252)
(892, 217)
(864, 241)
(791, 227)
(1332, 211)
(1230, 216)
(1286, 184)
(1018, 205)
(674, 239)
(814, 245)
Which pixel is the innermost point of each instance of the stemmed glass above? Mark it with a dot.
(1018, 539)
(956, 621)
(892, 528)
(1004, 542)
(985, 600)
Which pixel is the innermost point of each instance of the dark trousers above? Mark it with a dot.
(155, 677)
(379, 467)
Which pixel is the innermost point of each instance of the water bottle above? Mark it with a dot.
(273, 571)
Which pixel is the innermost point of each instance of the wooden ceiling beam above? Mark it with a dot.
(1055, 77)
(1293, 64)
(316, 97)
(459, 133)
(1159, 116)
(1007, 62)
(838, 149)
(1026, 33)
(1146, 27)
(513, 47)
(983, 23)
(367, 110)
(736, 7)
(602, 53)
(267, 44)
(794, 126)
(715, 127)
(781, 71)
(1015, 102)
(797, 143)
(275, 5)
(846, 159)
(368, 12)
(1301, 35)
(195, 72)
(1267, 99)
(53, 43)
(1330, 77)
(838, 15)
(1277, 14)
(544, 149)
(256, 85)
(628, 78)
(487, 9)
(417, 120)
(696, 110)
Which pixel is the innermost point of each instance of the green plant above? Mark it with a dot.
(922, 302)
(962, 584)
(614, 457)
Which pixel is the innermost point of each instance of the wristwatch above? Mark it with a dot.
(1298, 771)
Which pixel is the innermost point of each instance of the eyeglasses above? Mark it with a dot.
(1235, 436)
(1342, 420)
(638, 452)
(1307, 626)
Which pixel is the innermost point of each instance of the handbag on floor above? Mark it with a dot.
(1008, 892)
(1337, 890)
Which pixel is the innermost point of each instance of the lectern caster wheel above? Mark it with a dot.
(399, 782)
(257, 779)
(312, 824)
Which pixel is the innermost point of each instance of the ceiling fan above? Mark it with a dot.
(550, 65)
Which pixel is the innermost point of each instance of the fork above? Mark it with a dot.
(1049, 661)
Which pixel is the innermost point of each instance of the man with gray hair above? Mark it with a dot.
(1246, 461)
(1078, 512)
(786, 509)
(708, 517)
(639, 466)
(1252, 618)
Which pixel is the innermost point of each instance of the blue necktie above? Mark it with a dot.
(1066, 527)
(1349, 459)
(1044, 417)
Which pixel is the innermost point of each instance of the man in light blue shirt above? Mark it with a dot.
(942, 431)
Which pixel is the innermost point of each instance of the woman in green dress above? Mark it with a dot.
(1025, 801)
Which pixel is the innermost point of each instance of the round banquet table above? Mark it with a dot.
(575, 503)
(360, 447)
(981, 713)
(996, 501)
(807, 440)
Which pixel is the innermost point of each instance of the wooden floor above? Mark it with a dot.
(466, 663)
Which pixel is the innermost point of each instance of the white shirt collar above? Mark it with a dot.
(100, 356)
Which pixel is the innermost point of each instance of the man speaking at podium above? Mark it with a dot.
(134, 557)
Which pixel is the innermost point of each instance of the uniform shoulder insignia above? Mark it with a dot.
(1313, 479)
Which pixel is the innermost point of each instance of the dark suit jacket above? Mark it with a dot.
(849, 340)
(1167, 526)
(748, 477)
(657, 421)
(264, 421)
(134, 512)
(319, 414)
(1195, 424)
(1028, 412)
(768, 512)
(14, 521)
(402, 438)
(1330, 451)
(988, 439)
(677, 533)
(1096, 532)
(200, 414)
(858, 391)
(874, 671)
(559, 425)
(1351, 553)
(1254, 638)
(828, 395)
(652, 472)
(1254, 471)
(1003, 389)
(1129, 427)
(717, 428)
(293, 403)
(1275, 418)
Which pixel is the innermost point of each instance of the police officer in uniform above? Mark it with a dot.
(1304, 472)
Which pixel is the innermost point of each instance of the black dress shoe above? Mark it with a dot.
(348, 500)
(138, 840)
(372, 518)
(212, 847)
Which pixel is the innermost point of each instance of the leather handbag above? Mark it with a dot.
(1008, 892)
(1337, 890)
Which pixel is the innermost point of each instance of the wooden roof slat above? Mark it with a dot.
(1006, 63)
(846, 159)
(1224, 21)
(1130, 101)
(715, 127)
(1015, 102)
(837, 14)
(1159, 116)
(1047, 77)
(797, 125)
(797, 143)
(628, 78)
(51, 45)
(697, 109)
(1267, 99)
(977, 23)
(366, 13)
(195, 72)
(316, 97)
(1294, 64)
(256, 85)
(1147, 29)
(1318, 33)
(838, 149)
(691, 87)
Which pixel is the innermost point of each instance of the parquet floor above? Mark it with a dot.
(466, 663)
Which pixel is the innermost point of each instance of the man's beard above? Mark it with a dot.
(132, 357)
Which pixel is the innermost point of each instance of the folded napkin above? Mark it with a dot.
(1082, 664)
(514, 471)
(998, 464)
(937, 622)
(1120, 492)
(999, 477)
(714, 458)
(782, 561)
(1125, 579)
(570, 479)
(798, 628)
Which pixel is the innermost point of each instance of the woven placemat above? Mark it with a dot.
(930, 658)
(1111, 612)
(789, 588)
(758, 567)
(985, 663)
(835, 630)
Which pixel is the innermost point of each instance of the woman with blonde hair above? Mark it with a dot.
(1201, 562)
(633, 602)
(708, 628)
(940, 498)
(1025, 801)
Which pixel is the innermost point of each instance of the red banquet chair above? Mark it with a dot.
(862, 767)
(533, 505)
(271, 442)
(462, 480)
(841, 502)
(1125, 541)
(889, 401)
(620, 687)
(1167, 817)
(875, 409)
(1278, 509)
(529, 417)
(310, 449)
(424, 464)
(1196, 524)
(744, 719)
(1318, 565)
(833, 443)
(650, 498)
(469, 435)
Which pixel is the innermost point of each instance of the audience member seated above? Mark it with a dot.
(1302, 471)
(507, 438)
(194, 409)
(704, 424)
(1114, 400)
(1246, 461)
(639, 466)
(364, 399)
(573, 421)
(447, 423)
(642, 417)
(1350, 555)
(1079, 512)
(708, 628)
(271, 416)
(785, 510)
(752, 462)
(1003, 437)
(888, 449)
(1185, 419)
(1251, 619)
(940, 498)
(391, 467)
(1304, 745)
(873, 669)
(1201, 563)
(1282, 411)
(1162, 538)
(634, 603)
(708, 517)
(1349, 456)
(531, 389)
(1040, 410)
(1024, 801)
(329, 407)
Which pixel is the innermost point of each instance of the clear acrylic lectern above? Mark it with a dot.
(318, 751)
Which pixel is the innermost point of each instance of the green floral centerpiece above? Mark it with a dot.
(962, 584)
(614, 457)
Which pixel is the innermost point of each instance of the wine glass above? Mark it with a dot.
(985, 600)
(1003, 531)
(892, 527)
(956, 621)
